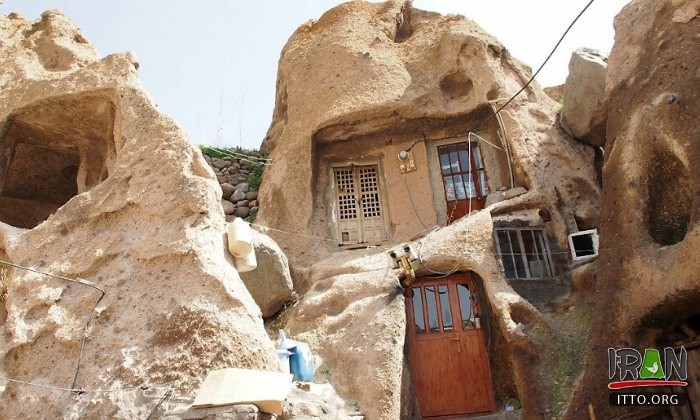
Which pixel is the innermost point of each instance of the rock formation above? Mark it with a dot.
(584, 112)
(368, 80)
(82, 150)
(647, 271)
(271, 283)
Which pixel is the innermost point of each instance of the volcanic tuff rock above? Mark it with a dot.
(367, 74)
(346, 75)
(649, 230)
(174, 306)
(270, 284)
(584, 112)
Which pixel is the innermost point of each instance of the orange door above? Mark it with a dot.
(463, 179)
(449, 364)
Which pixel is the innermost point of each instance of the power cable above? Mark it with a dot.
(90, 315)
(541, 66)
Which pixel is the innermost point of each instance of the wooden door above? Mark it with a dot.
(463, 179)
(358, 205)
(449, 363)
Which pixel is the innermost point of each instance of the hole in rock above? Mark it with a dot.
(52, 150)
(670, 199)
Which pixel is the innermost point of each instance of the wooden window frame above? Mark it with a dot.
(473, 174)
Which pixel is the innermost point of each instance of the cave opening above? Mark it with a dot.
(52, 150)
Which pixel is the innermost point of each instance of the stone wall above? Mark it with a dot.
(236, 174)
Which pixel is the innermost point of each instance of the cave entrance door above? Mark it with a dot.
(449, 363)
(463, 178)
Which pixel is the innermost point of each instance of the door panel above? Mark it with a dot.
(449, 364)
(358, 203)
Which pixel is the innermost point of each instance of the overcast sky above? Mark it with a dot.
(212, 64)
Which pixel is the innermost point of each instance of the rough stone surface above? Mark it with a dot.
(648, 265)
(227, 189)
(237, 196)
(584, 112)
(353, 74)
(242, 212)
(243, 187)
(174, 306)
(229, 207)
(270, 284)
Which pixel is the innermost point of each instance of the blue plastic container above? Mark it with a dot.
(301, 363)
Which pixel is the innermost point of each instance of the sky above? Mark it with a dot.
(212, 64)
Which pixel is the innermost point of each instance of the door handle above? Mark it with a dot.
(459, 346)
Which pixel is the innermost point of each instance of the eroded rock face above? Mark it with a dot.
(271, 283)
(584, 113)
(368, 80)
(82, 147)
(648, 267)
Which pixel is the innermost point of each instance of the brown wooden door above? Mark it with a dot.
(463, 179)
(449, 364)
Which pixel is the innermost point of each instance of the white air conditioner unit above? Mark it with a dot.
(584, 245)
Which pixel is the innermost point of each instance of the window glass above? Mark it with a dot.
(469, 183)
(445, 162)
(449, 188)
(454, 160)
(464, 158)
(483, 184)
(459, 187)
(465, 306)
(517, 255)
(418, 310)
(431, 303)
(505, 251)
(477, 156)
(445, 308)
(523, 253)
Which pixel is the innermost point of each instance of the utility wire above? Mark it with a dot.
(541, 66)
(76, 390)
(90, 316)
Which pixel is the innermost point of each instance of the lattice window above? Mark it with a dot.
(369, 190)
(347, 203)
(359, 207)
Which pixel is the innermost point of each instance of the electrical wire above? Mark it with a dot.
(413, 205)
(55, 276)
(90, 315)
(77, 390)
(541, 66)
(162, 400)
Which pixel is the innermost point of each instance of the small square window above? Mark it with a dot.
(584, 244)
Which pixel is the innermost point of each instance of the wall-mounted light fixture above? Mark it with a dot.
(406, 161)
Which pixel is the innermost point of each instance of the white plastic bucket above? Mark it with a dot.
(247, 263)
(240, 238)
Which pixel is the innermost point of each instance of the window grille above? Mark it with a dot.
(524, 253)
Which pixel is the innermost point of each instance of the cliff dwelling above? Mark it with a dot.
(429, 233)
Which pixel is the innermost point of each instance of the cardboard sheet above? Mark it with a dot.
(264, 389)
